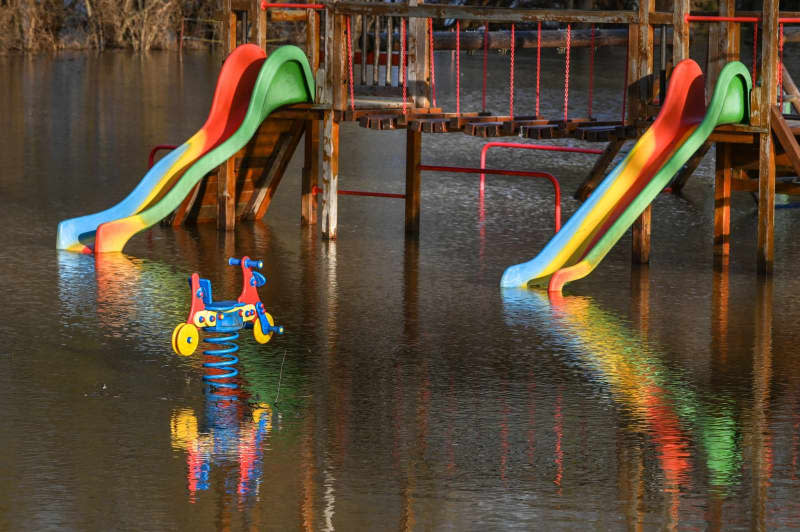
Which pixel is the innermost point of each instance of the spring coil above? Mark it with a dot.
(224, 371)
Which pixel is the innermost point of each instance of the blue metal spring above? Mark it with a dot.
(221, 381)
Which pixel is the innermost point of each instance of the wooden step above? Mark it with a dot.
(545, 131)
(379, 122)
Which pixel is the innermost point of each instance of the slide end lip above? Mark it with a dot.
(513, 278)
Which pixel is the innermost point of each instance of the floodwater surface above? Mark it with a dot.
(409, 392)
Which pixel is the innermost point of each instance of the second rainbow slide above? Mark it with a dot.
(680, 129)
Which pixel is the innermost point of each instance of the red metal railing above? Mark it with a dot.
(152, 156)
(520, 173)
(519, 146)
(316, 190)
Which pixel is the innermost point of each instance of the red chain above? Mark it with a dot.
(755, 49)
(511, 80)
(350, 66)
(485, 55)
(591, 74)
(458, 67)
(404, 72)
(566, 73)
(538, 62)
(780, 66)
(433, 68)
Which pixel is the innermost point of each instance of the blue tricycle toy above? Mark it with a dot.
(225, 316)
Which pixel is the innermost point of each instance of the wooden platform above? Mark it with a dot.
(432, 120)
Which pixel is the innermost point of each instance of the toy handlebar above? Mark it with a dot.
(249, 263)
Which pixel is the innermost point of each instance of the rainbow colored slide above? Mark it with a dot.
(680, 129)
(233, 90)
(249, 88)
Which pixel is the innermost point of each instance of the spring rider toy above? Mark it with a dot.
(225, 317)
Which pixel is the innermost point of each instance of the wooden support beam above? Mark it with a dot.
(413, 180)
(723, 45)
(599, 169)
(226, 196)
(640, 232)
(680, 30)
(330, 176)
(785, 137)
(230, 33)
(688, 169)
(790, 88)
(419, 69)
(722, 200)
(279, 159)
(640, 97)
(497, 14)
(761, 115)
(501, 40)
(312, 42)
(308, 200)
(261, 25)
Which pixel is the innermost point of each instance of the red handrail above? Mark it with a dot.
(316, 190)
(520, 173)
(151, 157)
(541, 147)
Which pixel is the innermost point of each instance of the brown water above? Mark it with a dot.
(409, 391)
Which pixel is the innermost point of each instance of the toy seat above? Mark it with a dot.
(210, 304)
(223, 306)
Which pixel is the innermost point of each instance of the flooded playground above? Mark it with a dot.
(409, 391)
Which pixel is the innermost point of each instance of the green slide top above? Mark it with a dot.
(285, 79)
(730, 104)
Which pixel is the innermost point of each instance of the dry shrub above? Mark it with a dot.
(137, 24)
(31, 25)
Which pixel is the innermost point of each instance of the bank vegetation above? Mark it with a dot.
(43, 25)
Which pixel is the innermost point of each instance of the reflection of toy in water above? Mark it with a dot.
(224, 317)
(231, 437)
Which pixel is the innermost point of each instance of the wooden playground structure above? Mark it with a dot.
(347, 43)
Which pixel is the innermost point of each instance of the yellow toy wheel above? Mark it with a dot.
(259, 335)
(185, 338)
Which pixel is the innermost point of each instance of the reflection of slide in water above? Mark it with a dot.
(661, 403)
(234, 436)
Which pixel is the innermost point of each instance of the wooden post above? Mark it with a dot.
(226, 196)
(330, 175)
(413, 180)
(312, 39)
(680, 31)
(332, 94)
(419, 68)
(308, 201)
(643, 82)
(641, 237)
(767, 95)
(722, 200)
(261, 25)
(723, 45)
(230, 41)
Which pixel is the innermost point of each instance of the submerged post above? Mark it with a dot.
(413, 180)
(641, 65)
(765, 96)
